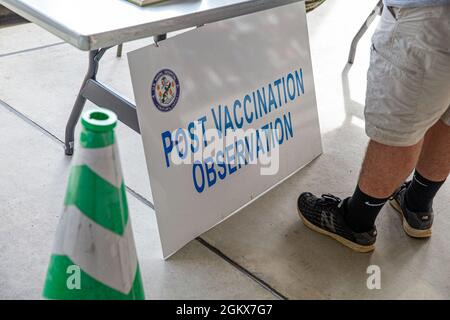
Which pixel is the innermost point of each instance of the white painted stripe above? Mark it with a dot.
(104, 255)
(103, 161)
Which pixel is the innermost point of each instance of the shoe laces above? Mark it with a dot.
(328, 199)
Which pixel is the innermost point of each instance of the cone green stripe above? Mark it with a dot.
(97, 199)
(90, 289)
(93, 140)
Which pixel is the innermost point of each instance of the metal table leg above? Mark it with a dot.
(102, 96)
(376, 11)
(80, 102)
(119, 50)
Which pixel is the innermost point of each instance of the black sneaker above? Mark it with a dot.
(415, 224)
(324, 215)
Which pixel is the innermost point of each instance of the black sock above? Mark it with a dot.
(421, 192)
(361, 210)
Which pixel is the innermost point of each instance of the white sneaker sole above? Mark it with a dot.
(410, 231)
(354, 246)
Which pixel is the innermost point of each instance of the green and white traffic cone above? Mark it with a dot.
(94, 256)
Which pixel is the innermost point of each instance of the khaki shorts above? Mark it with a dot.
(408, 82)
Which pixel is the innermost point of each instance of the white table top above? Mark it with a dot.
(94, 24)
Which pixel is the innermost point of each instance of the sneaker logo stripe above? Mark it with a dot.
(367, 203)
(421, 183)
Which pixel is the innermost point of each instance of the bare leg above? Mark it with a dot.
(386, 167)
(434, 160)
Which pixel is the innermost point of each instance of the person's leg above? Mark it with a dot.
(407, 92)
(408, 86)
(386, 167)
(434, 161)
(383, 170)
(431, 170)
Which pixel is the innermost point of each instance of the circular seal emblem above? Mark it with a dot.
(165, 90)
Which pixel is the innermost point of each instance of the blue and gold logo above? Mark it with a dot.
(165, 90)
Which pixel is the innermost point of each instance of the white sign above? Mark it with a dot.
(226, 112)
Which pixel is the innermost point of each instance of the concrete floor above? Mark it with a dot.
(274, 255)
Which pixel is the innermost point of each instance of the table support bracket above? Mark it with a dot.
(102, 96)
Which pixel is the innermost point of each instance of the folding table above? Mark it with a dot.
(97, 25)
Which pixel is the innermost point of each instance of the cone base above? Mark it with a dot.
(62, 284)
